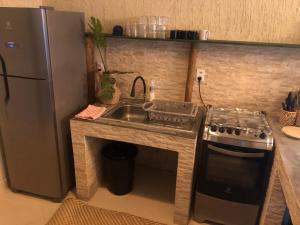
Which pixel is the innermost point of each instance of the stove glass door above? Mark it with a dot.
(232, 173)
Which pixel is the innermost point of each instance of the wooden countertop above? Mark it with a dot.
(288, 161)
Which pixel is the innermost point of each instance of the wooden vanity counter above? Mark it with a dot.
(87, 163)
(284, 187)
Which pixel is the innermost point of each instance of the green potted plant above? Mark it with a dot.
(108, 92)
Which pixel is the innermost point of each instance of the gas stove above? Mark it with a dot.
(235, 159)
(238, 127)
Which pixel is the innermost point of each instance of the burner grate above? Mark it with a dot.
(238, 118)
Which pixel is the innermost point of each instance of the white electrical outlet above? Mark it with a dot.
(200, 73)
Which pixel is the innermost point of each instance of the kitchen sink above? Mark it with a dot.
(132, 114)
(128, 112)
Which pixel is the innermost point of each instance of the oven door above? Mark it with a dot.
(232, 173)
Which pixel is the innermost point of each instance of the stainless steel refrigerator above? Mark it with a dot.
(42, 85)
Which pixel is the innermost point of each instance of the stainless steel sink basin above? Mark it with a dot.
(133, 115)
(128, 112)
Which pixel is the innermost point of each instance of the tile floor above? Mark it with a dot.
(21, 209)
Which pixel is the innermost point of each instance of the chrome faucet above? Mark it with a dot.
(132, 94)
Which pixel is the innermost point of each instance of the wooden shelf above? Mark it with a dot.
(208, 41)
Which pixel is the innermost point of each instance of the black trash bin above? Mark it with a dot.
(118, 160)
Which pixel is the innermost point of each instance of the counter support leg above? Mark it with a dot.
(275, 204)
(86, 169)
(184, 186)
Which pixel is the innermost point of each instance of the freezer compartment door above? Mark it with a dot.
(28, 138)
(22, 42)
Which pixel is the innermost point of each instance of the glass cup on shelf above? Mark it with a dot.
(133, 29)
(142, 27)
(142, 30)
(128, 29)
(152, 27)
(152, 31)
(162, 26)
(148, 27)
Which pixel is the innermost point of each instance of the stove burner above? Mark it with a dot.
(238, 124)
(238, 118)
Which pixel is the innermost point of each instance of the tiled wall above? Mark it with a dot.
(165, 63)
(251, 77)
(236, 76)
(157, 158)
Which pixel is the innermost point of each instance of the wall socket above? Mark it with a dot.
(200, 73)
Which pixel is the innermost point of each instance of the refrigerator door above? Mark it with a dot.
(28, 137)
(22, 42)
(68, 67)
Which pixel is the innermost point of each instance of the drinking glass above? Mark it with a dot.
(142, 30)
(152, 27)
(162, 27)
(128, 29)
(142, 26)
(134, 29)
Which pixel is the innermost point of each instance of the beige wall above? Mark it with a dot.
(20, 3)
(250, 20)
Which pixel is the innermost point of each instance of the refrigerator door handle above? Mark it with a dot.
(5, 79)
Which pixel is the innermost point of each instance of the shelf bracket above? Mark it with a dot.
(191, 73)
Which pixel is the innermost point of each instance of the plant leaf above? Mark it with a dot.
(95, 33)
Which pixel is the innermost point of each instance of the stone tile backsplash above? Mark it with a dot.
(253, 77)
(250, 77)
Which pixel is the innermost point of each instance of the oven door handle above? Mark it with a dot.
(235, 154)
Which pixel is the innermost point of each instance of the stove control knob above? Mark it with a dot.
(262, 135)
(229, 130)
(213, 128)
(221, 129)
(237, 131)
